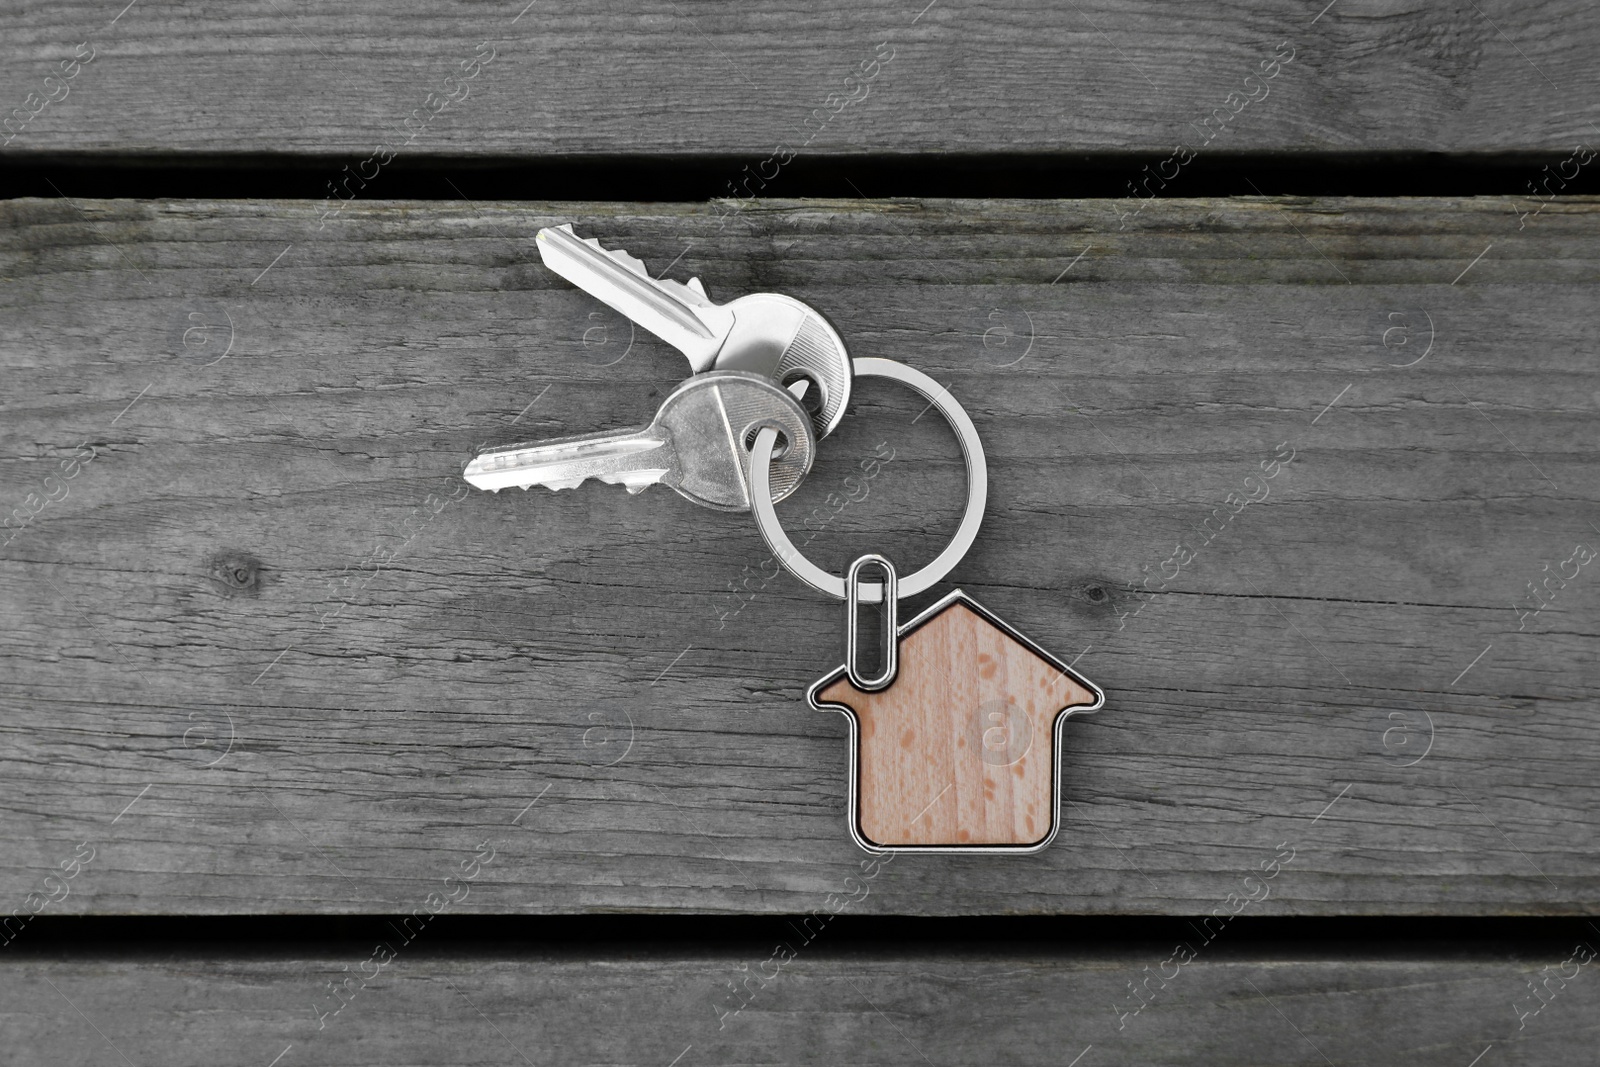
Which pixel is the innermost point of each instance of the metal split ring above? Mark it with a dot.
(926, 578)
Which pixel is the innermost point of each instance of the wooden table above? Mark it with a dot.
(277, 687)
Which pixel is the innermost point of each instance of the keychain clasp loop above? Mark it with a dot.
(891, 620)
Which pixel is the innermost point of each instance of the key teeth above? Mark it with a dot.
(634, 482)
(621, 255)
(633, 263)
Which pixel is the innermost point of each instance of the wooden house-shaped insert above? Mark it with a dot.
(962, 751)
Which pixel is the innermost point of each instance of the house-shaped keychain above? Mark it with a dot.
(962, 751)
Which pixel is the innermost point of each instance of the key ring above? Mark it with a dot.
(920, 582)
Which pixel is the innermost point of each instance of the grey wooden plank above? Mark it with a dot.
(185, 592)
(652, 1008)
(625, 78)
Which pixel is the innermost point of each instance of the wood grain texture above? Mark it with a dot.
(266, 655)
(973, 1007)
(960, 749)
(339, 80)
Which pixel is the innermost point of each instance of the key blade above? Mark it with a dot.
(690, 292)
(619, 280)
(633, 460)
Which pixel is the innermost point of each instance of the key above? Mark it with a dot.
(698, 444)
(765, 333)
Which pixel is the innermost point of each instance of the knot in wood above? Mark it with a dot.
(235, 573)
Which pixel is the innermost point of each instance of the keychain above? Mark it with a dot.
(955, 745)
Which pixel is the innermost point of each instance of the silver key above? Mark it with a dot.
(698, 444)
(766, 333)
